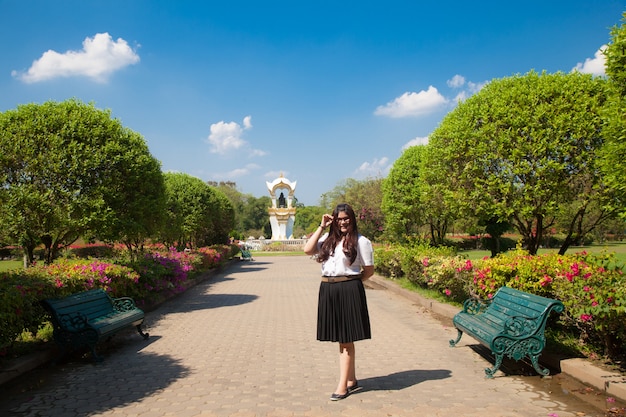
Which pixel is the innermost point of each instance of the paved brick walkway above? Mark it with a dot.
(243, 344)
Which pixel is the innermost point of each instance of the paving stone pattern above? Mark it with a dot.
(242, 344)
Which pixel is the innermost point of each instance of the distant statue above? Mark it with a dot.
(282, 213)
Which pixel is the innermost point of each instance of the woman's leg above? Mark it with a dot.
(347, 368)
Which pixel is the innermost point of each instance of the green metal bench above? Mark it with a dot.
(246, 255)
(84, 319)
(512, 323)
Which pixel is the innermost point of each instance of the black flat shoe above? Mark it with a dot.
(337, 397)
(354, 387)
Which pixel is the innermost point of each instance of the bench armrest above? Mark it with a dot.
(474, 306)
(73, 322)
(124, 304)
(519, 326)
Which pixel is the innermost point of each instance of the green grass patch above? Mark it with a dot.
(260, 254)
(10, 265)
(425, 292)
(616, 248)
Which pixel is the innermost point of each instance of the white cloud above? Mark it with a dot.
(413, 104)
(247, 122)
(595, 65)
(456, 82)
(276, 174)
(236, 173)
(258, 152)
(475, 87)
(100, 57)
(416, 141)
(462, 96)
(226, 137)
(379, 167)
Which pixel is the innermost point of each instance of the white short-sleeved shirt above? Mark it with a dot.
(339, 265)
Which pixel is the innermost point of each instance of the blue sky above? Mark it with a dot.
(319, 91)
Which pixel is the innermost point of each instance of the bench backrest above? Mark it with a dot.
(508, 303)
(92, 304)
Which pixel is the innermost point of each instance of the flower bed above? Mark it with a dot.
(592, 287)
(156, 275)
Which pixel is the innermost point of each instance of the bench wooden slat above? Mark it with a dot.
(513, 324)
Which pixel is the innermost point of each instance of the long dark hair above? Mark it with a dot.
(334, 236)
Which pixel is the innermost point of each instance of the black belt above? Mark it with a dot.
(341, 278)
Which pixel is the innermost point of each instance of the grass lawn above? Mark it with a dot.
(259, 254)
(8, 265)
(616, 248)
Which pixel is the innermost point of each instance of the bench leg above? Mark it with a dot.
(489, 372)
(95, 355)
(458, 337)
(535, 361)
(141, 333)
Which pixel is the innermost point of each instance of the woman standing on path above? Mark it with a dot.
(347, 260)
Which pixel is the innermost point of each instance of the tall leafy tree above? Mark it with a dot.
(194, 213)
(237, 200)
(614, 152)
(135, 196)
(307, 219)
(223, 221)
(365, 197)
(520, 148)
(402, 201)
(256, 218)
(59, 165)
(414, 201)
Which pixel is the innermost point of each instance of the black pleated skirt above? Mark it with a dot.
(342, 314)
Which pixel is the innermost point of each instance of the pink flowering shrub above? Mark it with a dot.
(593, 291)
(448, 275)
(388, 261)
(414, 260)
(170, 271)
(22, 290)
(516, 269)
(147, 280)
(428, 267)
(592, 288)
(72, 276)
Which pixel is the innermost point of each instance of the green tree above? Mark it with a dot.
(237, 200)
(250, 213)
(613, 154)
(135, 196)
(307, 219)
(365, 197)
(59, 165)
(521, 147)
(194, 211)
(402, 202)
(223, 221)
(416, 205)
(256, 218)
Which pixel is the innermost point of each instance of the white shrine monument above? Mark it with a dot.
(282, 214)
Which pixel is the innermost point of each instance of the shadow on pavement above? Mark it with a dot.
(510, 366)
(208, 301)
(404, 379)
(103, 386)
